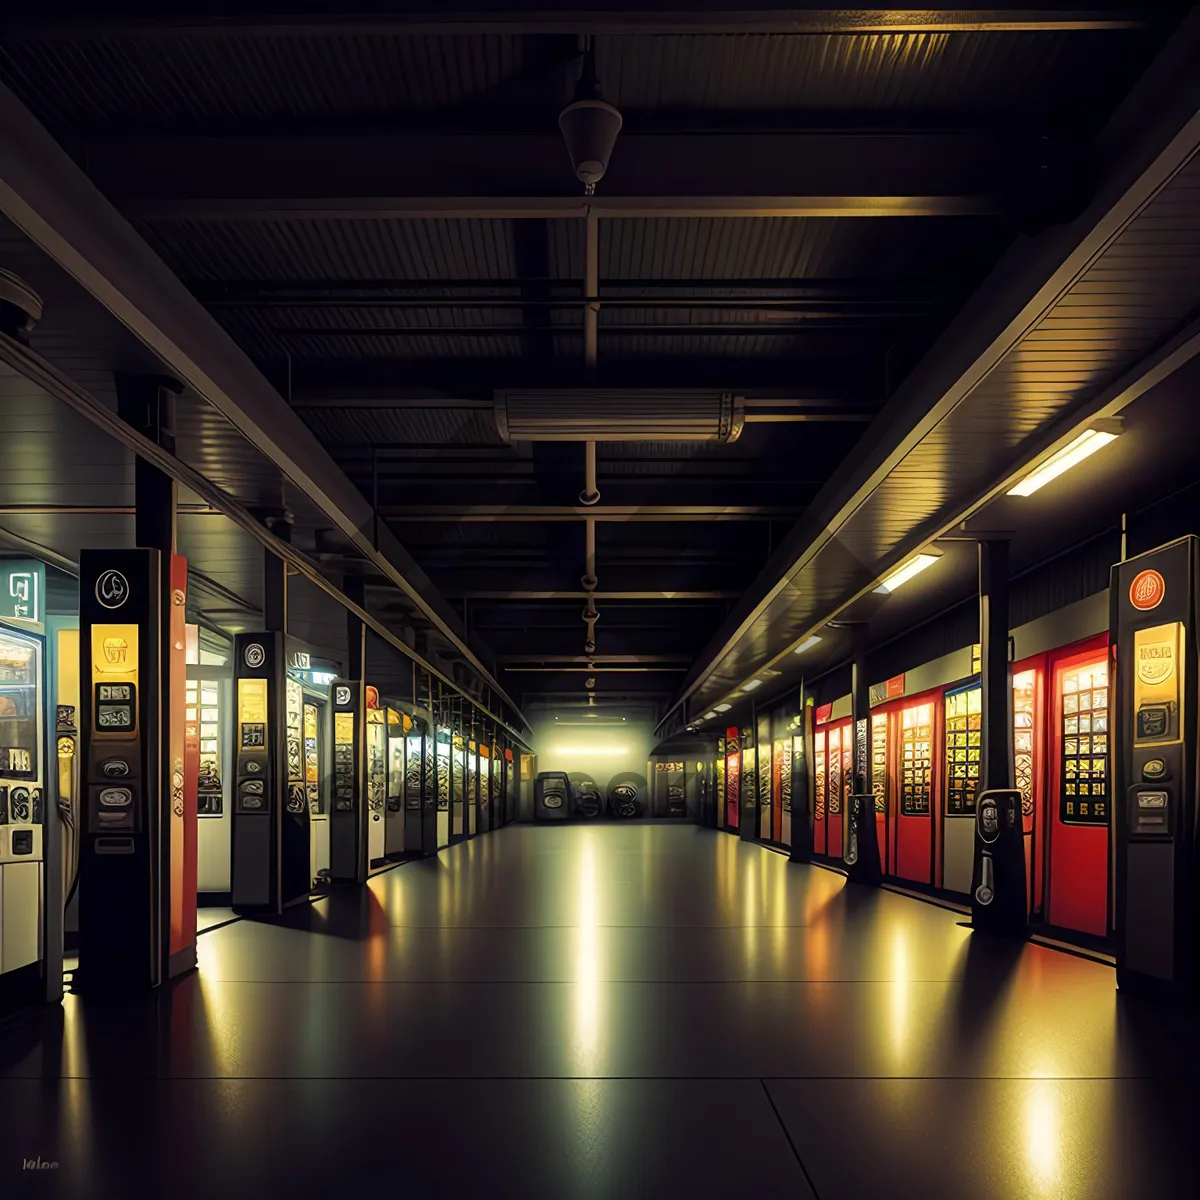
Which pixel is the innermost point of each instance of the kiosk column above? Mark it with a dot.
(124, 906)
(998, 892)
(860, 843)
(1154, 601)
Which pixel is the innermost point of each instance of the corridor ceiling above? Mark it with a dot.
(381, 212)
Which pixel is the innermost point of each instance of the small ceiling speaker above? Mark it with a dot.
(589, 127)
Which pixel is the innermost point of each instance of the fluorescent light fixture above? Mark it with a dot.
(807, 644)
(749, 687)
(722, 707)
(902, 574)
(323, 678)
(605, 750)
(708, 716)
(1087, 443)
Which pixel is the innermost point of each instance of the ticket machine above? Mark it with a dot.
(121, 889)
(1154, 613)
(271, 854)
(347, 826)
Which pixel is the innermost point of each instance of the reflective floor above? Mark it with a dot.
(610, 1011)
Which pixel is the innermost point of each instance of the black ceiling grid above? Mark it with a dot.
(437, 255)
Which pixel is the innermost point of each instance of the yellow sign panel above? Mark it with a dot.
(114, 651)
(343, 728)
(252, 701)
(1155, 661)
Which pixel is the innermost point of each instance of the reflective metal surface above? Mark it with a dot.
(611, 1011)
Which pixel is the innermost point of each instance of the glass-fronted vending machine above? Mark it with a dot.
(22, 816)
(398, 726)
(377, 778)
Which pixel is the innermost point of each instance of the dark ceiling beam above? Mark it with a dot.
(577, 512)
(511, 660)
(414, 176)
(644, 17)
(794, 322)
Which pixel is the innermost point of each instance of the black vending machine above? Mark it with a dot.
(1153, 619)
(121, 918)
(347, 815)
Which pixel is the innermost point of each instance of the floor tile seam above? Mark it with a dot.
(787, 1133)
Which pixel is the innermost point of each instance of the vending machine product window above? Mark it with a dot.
(20, 701)
(1084, 795)
(343, 762)
(376, 760)
(733, 778)
(1024, 717)
(964, 716)
(834, 794)
(204, 707)
(294, 708)
(312, 759)
(459, 781)
(398, 727)
(819, 766)
(879, 746)
(916, 760)
(443, 771)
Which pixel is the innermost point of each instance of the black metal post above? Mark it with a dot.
(860, 844)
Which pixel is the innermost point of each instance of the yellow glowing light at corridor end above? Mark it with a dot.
(1087, 443)
(605, 750)
(902, 574)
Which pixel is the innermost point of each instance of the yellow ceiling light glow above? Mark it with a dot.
(754, 683)
(722, 707)
(902, 574)
(592, 750)
(807, 644)
(1085, 445)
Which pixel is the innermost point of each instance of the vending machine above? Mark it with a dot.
(347, 820)
(398, 725)
(24, 850)
(377, 776)
(133, 873)
(426, 786)
(1154, 613)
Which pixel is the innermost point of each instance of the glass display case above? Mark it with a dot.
(1084, 796)
(964, 716)
(20, 720)
(916, 760)
(312, 758)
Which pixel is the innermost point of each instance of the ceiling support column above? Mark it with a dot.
(860, 843)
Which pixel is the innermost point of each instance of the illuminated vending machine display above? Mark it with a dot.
(255, 836)
(485, 789)
(22, 814)
(472, 787)
(318, 816)
(417, 787)
(733, 779)
(510, 791)
(377, 738)
(458, 785)
(398, 725)
(913, 857)
(964, 748)
(348, 834)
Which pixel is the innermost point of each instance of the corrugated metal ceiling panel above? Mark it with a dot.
(379, 426)
(98, 83)
(215, 251)
(789, 247)
(1151, 275)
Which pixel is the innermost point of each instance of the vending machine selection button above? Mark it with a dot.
(114, 768)
(252, 787)
(1155, 768)
(22, 841)
(1152, 799)
(116, 797)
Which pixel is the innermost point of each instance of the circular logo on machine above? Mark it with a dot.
(254, 655)
(1147, 590)
(112, 589)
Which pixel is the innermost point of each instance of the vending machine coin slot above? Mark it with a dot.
(22, 842)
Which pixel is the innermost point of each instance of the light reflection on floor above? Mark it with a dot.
(594, 1006)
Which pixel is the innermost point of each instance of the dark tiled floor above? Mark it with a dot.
(613, 1012)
